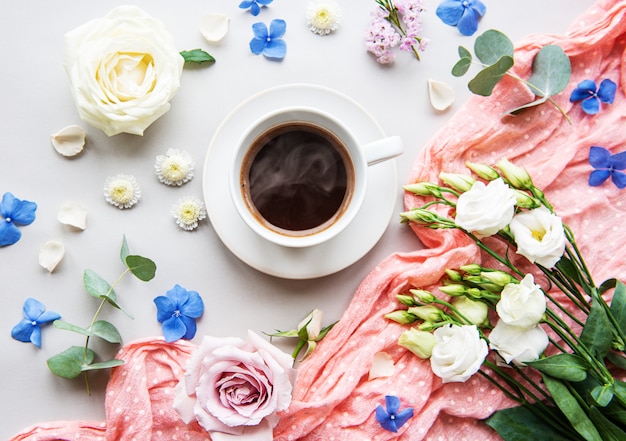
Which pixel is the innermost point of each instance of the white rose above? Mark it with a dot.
(486, 209)
(517, 345)
(522, 304)
(458, 352)
(123, 69)
(539, 236)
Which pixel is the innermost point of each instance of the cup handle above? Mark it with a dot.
(383, 149)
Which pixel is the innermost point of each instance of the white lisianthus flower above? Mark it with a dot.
(123, 69)
(539, 236)
(486, 209)
(522, 304)
(421, 343)
(518, 345)
(473, 310)
(458, 353)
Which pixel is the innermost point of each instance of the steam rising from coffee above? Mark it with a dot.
(298, 179)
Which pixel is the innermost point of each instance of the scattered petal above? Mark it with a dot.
(14, 212)
(28, 329)
(69, 141)
(72, 214)
(175, 167)
(254, 5)
(269, 43)
(591, 97)
(441, 94)
(122, 191)
(50, 254)
(607, 165)
(382, 366)
(323, 16)
(177, 311)
(464, 14)
(214, 27)
(188, 211)
(392, 418)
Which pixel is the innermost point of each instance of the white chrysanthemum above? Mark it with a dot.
(188, 211)
(323, 16)
(122, 191)
(175, 167)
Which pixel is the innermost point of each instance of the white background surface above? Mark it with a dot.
(36, 103)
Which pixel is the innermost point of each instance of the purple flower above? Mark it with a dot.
(392, 418)
(269, 43)
(607, 165)
(178, 310)
(592, 96)
(464, 14)
(29, 328)
(13, 212)
(254, 5)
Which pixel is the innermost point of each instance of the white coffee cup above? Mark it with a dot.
(299, 176)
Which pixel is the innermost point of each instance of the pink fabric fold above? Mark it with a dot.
(333, 398)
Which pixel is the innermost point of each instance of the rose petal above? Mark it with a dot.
(382, 366)
(72, 214)
(214, 27)
(50, 254)
(441, 94)
(69, 141)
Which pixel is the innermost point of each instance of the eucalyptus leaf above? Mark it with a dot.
(528, 105)
(96, 286)
(571, 408)
(290, 333)
(563, 365)
(484, 82)
(60, 324)
(522, 424)
(551, 71)
(103, 365)
(464, 53)
(106, 331)
(142, 267)
(69, 363)
(602, 395)
(116, 305)
(609, 431)
(461, 67)
(596, 333)
(124, 250)
(197, 56)
(492, 46)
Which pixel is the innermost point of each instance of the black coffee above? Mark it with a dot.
(297, 177)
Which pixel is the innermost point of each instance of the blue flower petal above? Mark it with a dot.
(260, 31)
(599, 157)
(24, 214)
(277, 28)
(264, 2)
(8, 204)
(178, 295)
(173, 329)
(48, 316)
(478, 6)
(392, 403)
(165, 308)
(257, 45)
(275, 49)
(9, 233)
(22, 330)
(606, 91)
(597, 177)
(403, 416)
(450, 12)
(190, 326)
(618, 161)
(469, 22)
(33, 308)
(255, 9)
(194, 306)
(591, 105)
(588, 86)
(579, 94)
(385, 419)
(619, 179)
(35, 336)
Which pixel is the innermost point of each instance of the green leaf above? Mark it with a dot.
(197, 56)
(96, 286)
(564, 366)
(106, 331)
(325, 330)
(617, 359)
(124, 251)
(60, 324)
(290, 333)
(103, 365)
(116, 305)
(142, 267)
(522, 424)
(602, 395)
(608, 430)
(484, 82)
(597, 335)
(571, 409)
(619, 388)
(551, 71)
(464, 53)
(618, 305)
(462, 66)
(492, 46)
(69, 363)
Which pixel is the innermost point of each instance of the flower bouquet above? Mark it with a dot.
(529, 318)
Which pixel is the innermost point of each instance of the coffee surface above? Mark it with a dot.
(298, 179)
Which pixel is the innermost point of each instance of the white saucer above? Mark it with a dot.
(298, 263)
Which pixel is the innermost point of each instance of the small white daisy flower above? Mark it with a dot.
(188, 211)
(175, 167)
(122, 191)
(323, 16)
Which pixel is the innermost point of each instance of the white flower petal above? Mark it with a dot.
(382, 366)
(50, 254)
(441, 94)
(69, 141)
(70, 213)
(214, 27)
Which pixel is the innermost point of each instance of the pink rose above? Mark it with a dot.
(235, 387)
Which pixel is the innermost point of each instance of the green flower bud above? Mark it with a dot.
(422, 295)
(474, 293)
(499, 278)
(424, 189)
(454, 289)
(427, 327)
(472, 268)
(428, 313)
(459, 182)
(406, 299)
(473, 310)
(454, 276)
(483, 171)
(517, 177)
(401, 316)
(524, 200)
(420, 343)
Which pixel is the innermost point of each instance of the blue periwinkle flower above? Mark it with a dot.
(254, 5)
(464, 14)
(392, 418)
(592, 96)
(607, 165)
(13, 212)
(269, 43)
(29, 328)
(178, 310)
